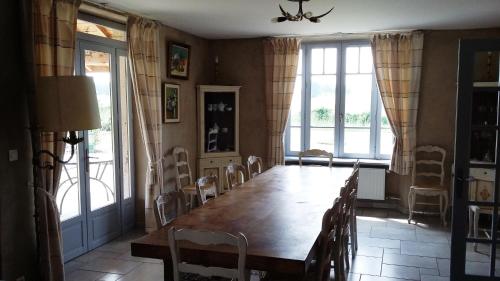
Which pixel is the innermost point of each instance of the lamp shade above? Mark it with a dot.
(67, 103)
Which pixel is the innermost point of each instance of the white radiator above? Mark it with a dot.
(371, 184)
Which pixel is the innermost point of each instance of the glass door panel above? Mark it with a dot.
(68, 195)
(476, 199)
(125, 137)
(100, 141)
(358, 95)
(323, 94)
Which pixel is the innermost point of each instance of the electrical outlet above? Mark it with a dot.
(13, 156)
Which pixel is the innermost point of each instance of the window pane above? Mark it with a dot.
(366, 60)
(386, 136)
(386, 141)
(323, 100)
(317, 61)
(295, 108)
(357, 140)
(358, 100)
(322, 138)
(68, 196)
(295, 139)
(352, 60)
(299, 65)
(331, 61)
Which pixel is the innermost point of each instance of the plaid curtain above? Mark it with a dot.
(143, 40)
(54, 27)
(398, 64)
(281, 59)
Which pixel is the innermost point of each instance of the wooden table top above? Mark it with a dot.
(279, 211)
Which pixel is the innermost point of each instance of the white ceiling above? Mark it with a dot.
(217, 19)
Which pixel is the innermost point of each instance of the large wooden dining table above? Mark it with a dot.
(279, 211)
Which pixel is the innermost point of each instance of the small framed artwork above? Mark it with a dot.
(171, 103)
(178, 60)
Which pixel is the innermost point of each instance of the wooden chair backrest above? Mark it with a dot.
(422, 167)
(329, 242)
(206, 186)
(182, 168)
(316, 153)
(207, 238)
(168, 206)
(235, 175)
(254, 165)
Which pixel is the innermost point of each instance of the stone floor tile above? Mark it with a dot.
(366, 265)
(398, 271)
(392, 251)
(393, 233)
(379, 278)
(145, 272)
(434, 278)
(111, 265)
(444, 267)
(83, 275)
(370, 251)
(406, 260)
(425, 249)
(379, 242)
(429, 271)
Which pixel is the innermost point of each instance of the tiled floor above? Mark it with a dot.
(390, 249)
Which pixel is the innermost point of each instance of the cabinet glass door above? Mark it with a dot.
(476, 200)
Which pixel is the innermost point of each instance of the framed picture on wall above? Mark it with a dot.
(178, 60)
(171, 103)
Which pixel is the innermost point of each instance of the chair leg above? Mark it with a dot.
(471, 223)
(410, 207)
(353, 242)
(445, 207)
(346, 251)
(476, 228)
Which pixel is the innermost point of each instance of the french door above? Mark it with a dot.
(476, 202)
(95, 196)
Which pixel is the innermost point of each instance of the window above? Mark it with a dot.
(336, 105)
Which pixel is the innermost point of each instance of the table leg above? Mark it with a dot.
(168, 270)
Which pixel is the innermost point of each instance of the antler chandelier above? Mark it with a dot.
(286, 16)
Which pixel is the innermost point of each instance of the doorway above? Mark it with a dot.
(96, 196)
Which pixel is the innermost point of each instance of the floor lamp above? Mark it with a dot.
(64, 104)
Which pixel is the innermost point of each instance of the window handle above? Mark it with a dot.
(341, 117)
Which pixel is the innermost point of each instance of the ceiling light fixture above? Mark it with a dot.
(286, 16)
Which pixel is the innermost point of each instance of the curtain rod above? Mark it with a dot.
(341, 35)
(104, 11)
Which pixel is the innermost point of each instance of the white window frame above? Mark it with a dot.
(376, 104)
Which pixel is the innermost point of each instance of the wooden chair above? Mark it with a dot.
(254, 165)
(425, 169)
(347, 197)
(329, 246)
(183, 173)
(168, 206)
(316, 153)
(208, 238)
(205, 187)
(352, 181)
(235, 175)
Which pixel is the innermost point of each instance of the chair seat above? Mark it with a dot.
(189, 189)
(482, 209)
(430, 191)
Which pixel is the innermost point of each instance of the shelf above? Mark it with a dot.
(482, 164)
(486, 84)
(485, 127)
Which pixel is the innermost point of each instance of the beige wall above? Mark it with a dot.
(17, 233)
(437, 105)
(183, 133)
(241, 63)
